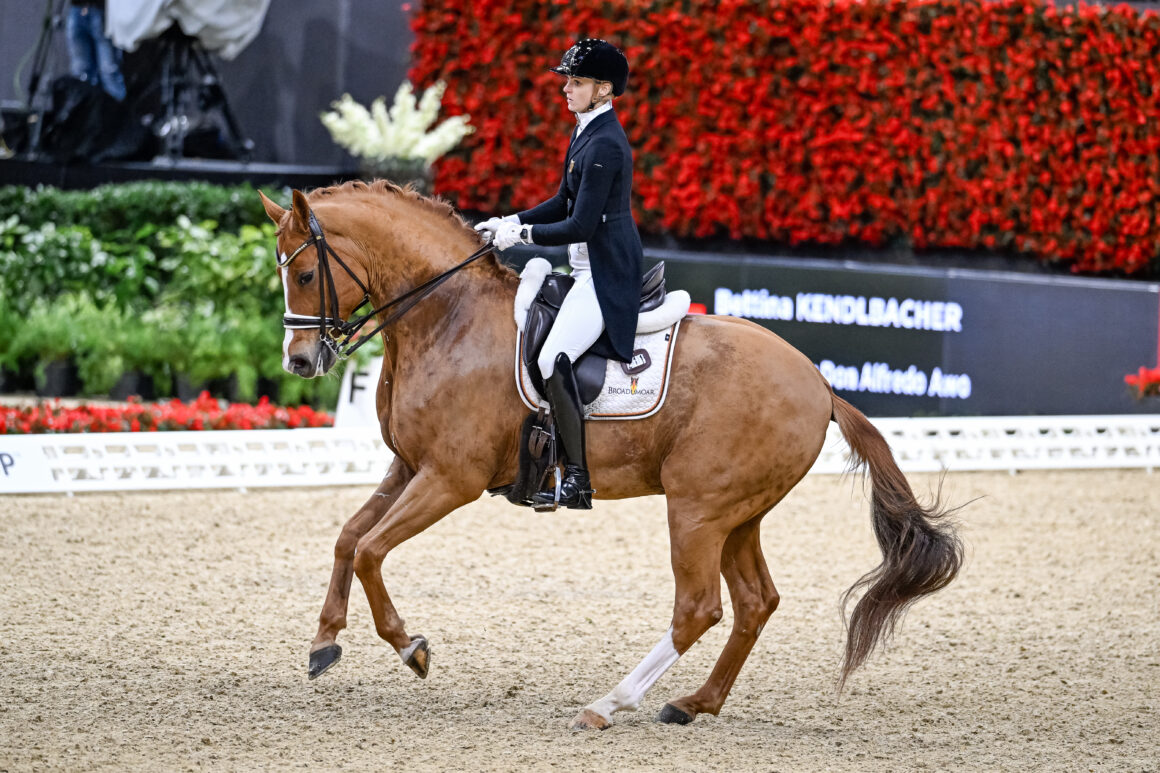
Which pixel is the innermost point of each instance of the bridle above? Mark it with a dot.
(335, 332)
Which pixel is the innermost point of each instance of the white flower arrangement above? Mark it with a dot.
(380, 135)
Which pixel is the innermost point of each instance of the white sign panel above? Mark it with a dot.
(23, 465)
(356, 401)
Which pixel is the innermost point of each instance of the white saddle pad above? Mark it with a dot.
(632, 390)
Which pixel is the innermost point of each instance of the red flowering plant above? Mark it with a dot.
(204, 413)
(1144, 382)
(1013, 125)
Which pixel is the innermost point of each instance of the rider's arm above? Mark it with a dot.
(603, 162)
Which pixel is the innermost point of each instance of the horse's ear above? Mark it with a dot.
(272, 210)
(301, 210)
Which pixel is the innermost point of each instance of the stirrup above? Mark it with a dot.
(574, 497)
(539, 498)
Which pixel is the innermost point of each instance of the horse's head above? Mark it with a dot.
(322, 289)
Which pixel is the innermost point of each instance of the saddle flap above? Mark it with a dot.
(589, 371)
(540, 319)
(541, 315)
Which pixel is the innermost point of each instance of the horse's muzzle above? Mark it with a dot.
(312, 363)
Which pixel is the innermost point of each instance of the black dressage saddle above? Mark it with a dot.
(590, 368)
(538, 457)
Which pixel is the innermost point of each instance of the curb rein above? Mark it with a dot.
(335, 332)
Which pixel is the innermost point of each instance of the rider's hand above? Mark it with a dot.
(511, 234)
(489, 227)
(492, 224)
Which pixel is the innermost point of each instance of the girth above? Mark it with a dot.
(590, 368)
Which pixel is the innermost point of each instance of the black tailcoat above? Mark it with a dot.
(593, 206)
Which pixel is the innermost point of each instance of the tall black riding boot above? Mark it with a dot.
(564, 397)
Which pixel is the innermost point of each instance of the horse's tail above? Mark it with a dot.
(920, 551)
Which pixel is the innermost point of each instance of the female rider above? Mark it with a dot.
(591, 214)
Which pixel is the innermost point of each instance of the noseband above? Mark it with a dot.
(333, 330)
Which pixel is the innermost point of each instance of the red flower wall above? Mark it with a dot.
(1009, 125)
(204, 413)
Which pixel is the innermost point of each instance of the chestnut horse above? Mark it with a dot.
(745, 418)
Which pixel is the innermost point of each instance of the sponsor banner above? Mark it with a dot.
(899, 341)
(23, 465)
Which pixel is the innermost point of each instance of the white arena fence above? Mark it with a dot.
(69, 463)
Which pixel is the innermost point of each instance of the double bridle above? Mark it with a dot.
(333, 330)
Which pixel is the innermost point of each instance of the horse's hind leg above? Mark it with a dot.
(754, 599)
(324, 650)
(696, 557)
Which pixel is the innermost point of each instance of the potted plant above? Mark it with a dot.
(145, 348)
(398, 144)
(50, 339)
(15, 374)
(198, 354)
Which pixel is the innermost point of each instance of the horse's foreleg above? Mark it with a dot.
(324, 650)
(425, 501)
(696, 557)
(754, 599)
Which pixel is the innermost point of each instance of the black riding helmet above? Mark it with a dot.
(596, 59)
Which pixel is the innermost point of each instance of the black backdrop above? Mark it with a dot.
(307, 54)
(1002, 343)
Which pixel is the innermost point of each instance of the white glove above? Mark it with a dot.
(511, 234)
(492, 224)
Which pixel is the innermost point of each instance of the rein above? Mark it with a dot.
(336, 332)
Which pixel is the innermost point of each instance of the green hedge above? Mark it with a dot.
(167, 279)
(119, 210)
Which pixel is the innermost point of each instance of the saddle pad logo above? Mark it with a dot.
(639, 363)
(632, 390)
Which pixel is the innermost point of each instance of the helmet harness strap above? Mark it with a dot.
(595, 103)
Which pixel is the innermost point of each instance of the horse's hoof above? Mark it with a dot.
(417, 656)
(671, 715)
(589, 720)
(321, 660)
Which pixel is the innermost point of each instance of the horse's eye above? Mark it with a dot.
(305, 277)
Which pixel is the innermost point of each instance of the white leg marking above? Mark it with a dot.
(627, 695)
(284, 274)
(408, 651)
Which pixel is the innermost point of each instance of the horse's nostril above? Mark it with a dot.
(299, 365)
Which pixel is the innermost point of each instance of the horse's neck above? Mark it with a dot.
(419, 244)
(473, 303)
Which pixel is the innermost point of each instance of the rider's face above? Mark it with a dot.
(581, 91)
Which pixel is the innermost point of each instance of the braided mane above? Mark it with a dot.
(432, 204)
(435, 205)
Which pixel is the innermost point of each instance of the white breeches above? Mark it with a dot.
(577, 326)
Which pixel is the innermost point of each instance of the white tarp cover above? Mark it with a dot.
(223, 27)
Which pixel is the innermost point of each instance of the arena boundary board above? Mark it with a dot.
(74, 463)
